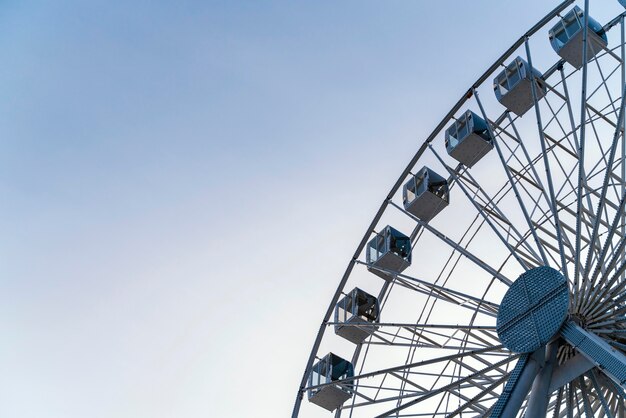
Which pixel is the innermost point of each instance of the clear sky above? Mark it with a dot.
(183, 183)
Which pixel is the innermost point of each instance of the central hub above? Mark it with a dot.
(533, 310)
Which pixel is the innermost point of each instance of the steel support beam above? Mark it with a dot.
(518, 386)
(598, 351)
(570, 370)
(540, 392)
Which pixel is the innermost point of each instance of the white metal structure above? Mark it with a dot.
(512, 300)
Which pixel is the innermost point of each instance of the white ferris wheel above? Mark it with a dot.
(492, 280)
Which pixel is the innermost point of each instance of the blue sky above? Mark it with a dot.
(183, 183)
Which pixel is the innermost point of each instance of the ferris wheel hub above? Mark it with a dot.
(533, 310)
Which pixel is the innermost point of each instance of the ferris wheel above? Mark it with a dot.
(492, 280)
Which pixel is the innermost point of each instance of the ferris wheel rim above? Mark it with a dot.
(414, 160)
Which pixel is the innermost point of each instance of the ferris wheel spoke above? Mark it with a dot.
(489, 205)
(576, 403)
(445, 388)
(618, 394)
(574, 134)
(413, 373)
(563, 136)
(527, 168)
(610, 248)
(542, 140)
(588, 222)
(585, 213)
(501, 131)
(529, 164)
(567, 210)
(424, 342)
(602, 199)
(414, 367)
(611, 398)
(592, 301)
(460, 327)
(471, 402)
(535, 200)
(458, 394)
(598, 391)
(595, 303)
(597, 115)
(603, 289)
(443, 293)
(455, 257)
(581, 155)
(608, 240)
(457, 365)
(584, 394)
(512, 182)
(480, 211)
(623, 150)
(613, 317)
(481, 381)
(556, 405)
(569, 401)
(388, 397)
(464, 343)
(602, 164)
(476, 337)
(481, 334)
(604, 85)
(553, 249)
(599, 167)
(446, 336)
(567, 188)
(459, 299)
(381, 387)
(454, 363)
(457, 247)
(546, 230)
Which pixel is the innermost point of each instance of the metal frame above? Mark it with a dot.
(558, 198)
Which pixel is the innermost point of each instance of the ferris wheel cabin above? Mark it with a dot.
(425, 194)
(595, 361)
(388, 253)
(468, 139)
(566, 37)
(330, 369)
(513, 86)
(356, 316)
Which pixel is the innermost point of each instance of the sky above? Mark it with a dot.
(183, 184)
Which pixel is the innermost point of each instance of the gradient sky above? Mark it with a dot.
(184, 182)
